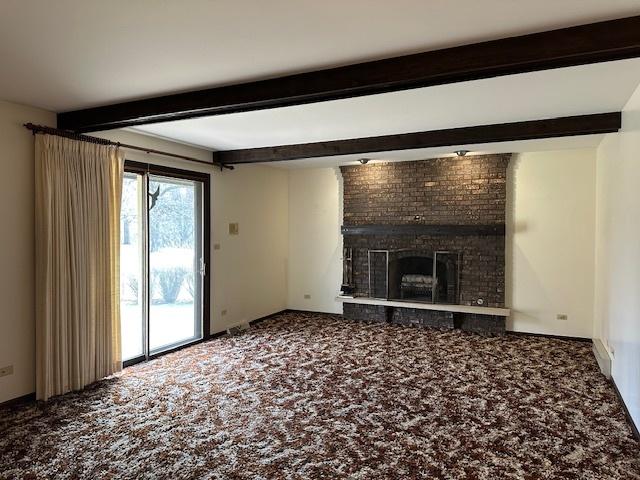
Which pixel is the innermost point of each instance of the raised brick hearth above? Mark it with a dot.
(484, 324)
(443, 191)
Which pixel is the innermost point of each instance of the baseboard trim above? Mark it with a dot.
(602, 357)
(509, 332)
(251, 322)
(634, 427)
(296, 310)
(28, 398)
(267, 317)
(288, 310)
(546, 335)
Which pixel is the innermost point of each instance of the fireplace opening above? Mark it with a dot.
(431, 277)
(412, 278)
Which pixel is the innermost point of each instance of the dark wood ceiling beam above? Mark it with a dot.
(502, 132)
(497, 229)
(596, 42)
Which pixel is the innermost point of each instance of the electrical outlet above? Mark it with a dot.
(223, 313)
(562, 316)
(4, 371)
(216, 246)
(307, 296)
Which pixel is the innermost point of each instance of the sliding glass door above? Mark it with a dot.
(175, 259)
(163, 260)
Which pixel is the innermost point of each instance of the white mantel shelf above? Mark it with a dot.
(500, 312)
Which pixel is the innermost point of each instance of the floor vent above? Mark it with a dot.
(238, 329)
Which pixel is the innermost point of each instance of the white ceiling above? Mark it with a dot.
(596, 88)
(69, 54)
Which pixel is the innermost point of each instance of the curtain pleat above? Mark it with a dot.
(78, 193)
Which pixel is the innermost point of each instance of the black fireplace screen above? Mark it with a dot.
(378, 273)
(432, 277)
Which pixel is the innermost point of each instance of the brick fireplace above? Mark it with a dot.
(455, 206)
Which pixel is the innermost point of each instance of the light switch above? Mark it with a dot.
(234, 229)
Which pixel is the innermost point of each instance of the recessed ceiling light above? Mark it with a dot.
(461, 153)
(363, 161)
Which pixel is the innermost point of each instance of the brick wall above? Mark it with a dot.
(459, 191)
(442, 191)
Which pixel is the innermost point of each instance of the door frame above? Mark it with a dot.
(152, 169)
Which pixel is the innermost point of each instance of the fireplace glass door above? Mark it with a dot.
(412, 275)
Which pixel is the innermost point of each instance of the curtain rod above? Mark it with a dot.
(103, 141)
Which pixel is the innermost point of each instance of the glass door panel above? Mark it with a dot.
(132, 291)
(162, 263)
(175, 259)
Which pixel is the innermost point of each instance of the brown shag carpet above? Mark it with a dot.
(306, 396)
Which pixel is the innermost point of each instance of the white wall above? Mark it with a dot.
(617, 305)
(315, 242)
(17, 311)
(550, 242)
(250, 269)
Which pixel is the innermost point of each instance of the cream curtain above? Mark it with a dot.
(78, 192)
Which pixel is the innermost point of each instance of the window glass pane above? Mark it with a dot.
(175, 252)
(131, 284)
